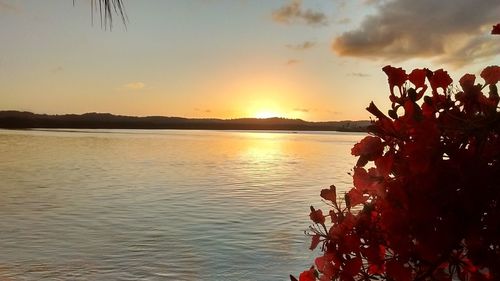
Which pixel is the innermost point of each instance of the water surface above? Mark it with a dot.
(163, 204)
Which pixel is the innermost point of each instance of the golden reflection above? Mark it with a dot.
(261, 146)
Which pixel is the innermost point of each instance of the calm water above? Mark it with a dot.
(162, 205)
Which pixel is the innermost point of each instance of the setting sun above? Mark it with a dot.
(265, 108)
(267, 114)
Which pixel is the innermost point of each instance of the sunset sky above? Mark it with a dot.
(314, 60)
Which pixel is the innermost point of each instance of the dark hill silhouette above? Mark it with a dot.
(25, 120)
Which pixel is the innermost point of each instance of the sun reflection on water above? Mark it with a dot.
(190, 205)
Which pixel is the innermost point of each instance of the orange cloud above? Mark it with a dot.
(302, 46)
(293, 13)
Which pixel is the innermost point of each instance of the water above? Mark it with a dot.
(163, 205)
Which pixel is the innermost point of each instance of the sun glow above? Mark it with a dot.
(267, 108)
(267, 114)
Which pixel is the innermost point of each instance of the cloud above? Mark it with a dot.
(8, 7)
(359, 74)
(302, 46)
(479, 48)
(452, 31)
(294, 13)
(135, 85)
(305, 110)
(292, 62)
(343, 21)
(371, 2)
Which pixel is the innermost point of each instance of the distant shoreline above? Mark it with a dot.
(29, 120)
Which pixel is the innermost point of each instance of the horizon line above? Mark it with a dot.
(183, 117)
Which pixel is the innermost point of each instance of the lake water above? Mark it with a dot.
(163, 204)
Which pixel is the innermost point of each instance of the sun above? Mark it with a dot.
(266, 108)
(263, 114)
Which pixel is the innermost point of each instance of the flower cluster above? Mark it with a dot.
(426, 198)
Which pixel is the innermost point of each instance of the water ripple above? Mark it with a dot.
(162, 205)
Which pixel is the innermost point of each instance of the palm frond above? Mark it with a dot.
(107, 9)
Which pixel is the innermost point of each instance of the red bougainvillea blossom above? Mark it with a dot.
(426, 198)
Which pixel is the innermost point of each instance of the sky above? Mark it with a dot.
(310, 59)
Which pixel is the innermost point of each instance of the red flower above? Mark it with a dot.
(375, 256)
(307, 275)
(491, 74)
(353, 266)
(398, 271)
(417, 77)
(355, 197)
(367, 182)
(369, 149)
(314, 242)
(325, 264)
(440, 79)
(317, 216)
(467, 81)
(329, 194)
(496, 29)
(396, 76)
(384, 165)
(349, 244)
